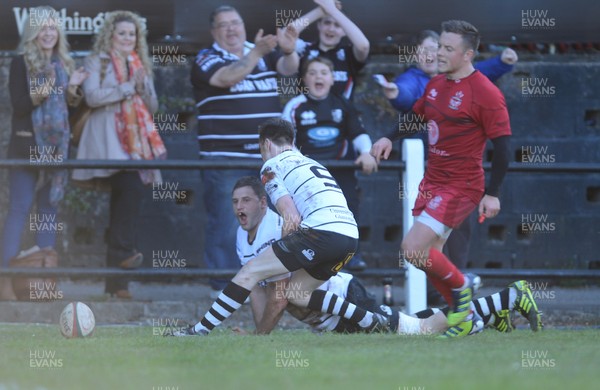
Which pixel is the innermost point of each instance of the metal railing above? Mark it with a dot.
(194, 273)
(580, 168)
(197, 273)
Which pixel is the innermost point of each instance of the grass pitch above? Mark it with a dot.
(38, 357)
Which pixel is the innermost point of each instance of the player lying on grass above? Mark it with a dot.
(319, 236)
(260, 227)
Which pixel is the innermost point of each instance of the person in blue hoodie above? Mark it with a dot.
(410, 85)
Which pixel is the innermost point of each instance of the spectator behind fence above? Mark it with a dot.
(43, 82)
(121, 92)
(408, 87)
(235, 87)
(325, 123)
(333, 25)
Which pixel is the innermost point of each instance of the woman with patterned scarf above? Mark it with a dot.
(42, 84)
(121, 93)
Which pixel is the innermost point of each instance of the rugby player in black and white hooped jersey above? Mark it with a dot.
(260, 227)
(328, 127)
(319, 236)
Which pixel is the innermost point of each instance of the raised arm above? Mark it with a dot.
(307, 19)
(235, 72)
(360, 43)
(289, 63)
(495, 67)
(310, 17)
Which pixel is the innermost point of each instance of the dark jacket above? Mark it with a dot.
(21, 137)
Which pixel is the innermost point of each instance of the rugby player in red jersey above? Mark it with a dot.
(462, 109)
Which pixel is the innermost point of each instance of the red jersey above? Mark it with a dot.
(461, 115)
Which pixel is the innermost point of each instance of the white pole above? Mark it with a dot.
(414, 158)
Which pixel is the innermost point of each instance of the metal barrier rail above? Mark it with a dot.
(415, 288)
(232, 164)
(195, 273)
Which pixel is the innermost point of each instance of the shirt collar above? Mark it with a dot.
(247, 47)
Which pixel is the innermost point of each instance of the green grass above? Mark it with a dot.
(133, 358)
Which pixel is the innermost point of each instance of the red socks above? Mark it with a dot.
(442, 288)
(443, 274)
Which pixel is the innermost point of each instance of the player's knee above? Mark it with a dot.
(246, 276)
(298, 298)
(412, 252)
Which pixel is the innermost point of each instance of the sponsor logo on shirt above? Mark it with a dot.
(313, 54)
(208, 62)
(337, 115)
(340, 75)
(432, 94)
(266, 85)
(309, 254)
(434, 132)
(456, 100)
(308, 118)
(264, 246)
(323, 136)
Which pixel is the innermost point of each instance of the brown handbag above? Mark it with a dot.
(35, 289)
(78, 119)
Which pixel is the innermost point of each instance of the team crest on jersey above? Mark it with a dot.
(432, 94)
(337, 115)
(313, 54)
(341, 55)
(308, 118)
(456, 100)
(435, 202)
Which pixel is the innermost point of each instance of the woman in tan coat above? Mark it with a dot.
(120, 127)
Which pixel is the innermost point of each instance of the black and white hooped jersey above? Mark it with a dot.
(269, 231)
(228, 118)
(317, 196)
(323, 127)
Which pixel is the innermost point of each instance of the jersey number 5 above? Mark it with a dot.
(324, 174)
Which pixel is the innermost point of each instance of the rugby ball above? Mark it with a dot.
(76, 320)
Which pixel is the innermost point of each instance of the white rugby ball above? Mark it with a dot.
(76, 320)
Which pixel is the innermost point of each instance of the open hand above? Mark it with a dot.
(286, 38)
(78, 76)
(264, 44)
